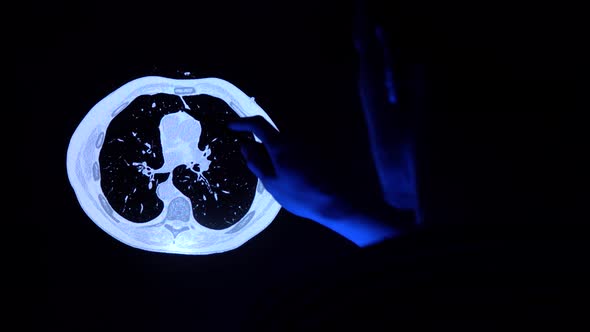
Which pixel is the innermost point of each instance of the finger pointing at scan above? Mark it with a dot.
(258, 160)
(257, 125)
(257, 155)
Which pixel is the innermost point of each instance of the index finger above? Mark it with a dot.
(258, 125)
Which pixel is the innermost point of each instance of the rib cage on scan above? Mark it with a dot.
(153, 166)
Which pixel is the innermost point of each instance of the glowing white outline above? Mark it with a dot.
(88, 132)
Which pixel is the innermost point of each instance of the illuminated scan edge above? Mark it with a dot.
(246, 107)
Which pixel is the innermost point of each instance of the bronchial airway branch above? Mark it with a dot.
(145, 170)
(203, 179)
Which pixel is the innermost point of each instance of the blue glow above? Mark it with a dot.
(388, 71)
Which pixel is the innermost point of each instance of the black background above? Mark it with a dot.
(297, 60)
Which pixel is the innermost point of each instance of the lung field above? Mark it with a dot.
(220, 196)
(231, 185)
(132, 141)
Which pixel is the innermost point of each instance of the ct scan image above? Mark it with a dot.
(154, 165)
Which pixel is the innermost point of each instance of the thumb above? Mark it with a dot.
(258, 160)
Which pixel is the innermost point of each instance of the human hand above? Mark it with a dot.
(303, 189)
(283, 166)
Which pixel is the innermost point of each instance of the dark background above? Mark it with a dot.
(297, 60)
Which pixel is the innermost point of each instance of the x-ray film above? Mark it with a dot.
(154, 165)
